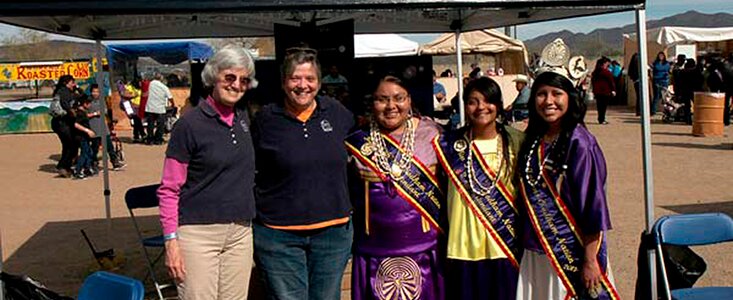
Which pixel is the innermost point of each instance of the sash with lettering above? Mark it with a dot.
(419, 187)
(559, 234)
(496, 210)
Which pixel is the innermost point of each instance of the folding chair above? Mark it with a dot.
(693, 230)
(109, 286)
(146, 197)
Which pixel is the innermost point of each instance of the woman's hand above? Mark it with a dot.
(591, 274)
(174, 260)
(91, 134)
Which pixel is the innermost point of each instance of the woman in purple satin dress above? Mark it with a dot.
(396, 201)
(562, 173)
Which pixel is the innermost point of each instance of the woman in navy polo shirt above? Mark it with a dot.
(206, 193)
(303, 231)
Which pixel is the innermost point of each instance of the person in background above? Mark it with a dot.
(130, 101)
(159, 97)
(480, 162)
(83, 134)
(633, 73)
(660, 79)
(441, 105)
(390, 157)
(97, 124)
(690, 81)
(303, 231)
(604, 87)
(518, 109)
(63, 126)
(447, 73)
(206, 191)
(562, 173)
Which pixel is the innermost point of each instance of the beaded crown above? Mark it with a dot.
(556, 58)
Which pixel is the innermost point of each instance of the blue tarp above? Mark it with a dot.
(169, 53)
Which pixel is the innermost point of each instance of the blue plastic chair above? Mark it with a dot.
(693, 230)
(139, 198)
(109, 286)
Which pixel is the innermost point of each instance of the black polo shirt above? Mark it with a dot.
(301, 166)
(219, 185)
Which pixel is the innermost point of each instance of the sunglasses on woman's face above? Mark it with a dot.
(231, 78)
(307, 50)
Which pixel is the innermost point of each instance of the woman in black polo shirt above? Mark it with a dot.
(206, 194)
(303, 231)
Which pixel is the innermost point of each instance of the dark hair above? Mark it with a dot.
(401, 83)
(93, 86)
(492, 93)
(537, 127)
(63, 80)
(656, 58)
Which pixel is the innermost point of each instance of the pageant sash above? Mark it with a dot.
(418, 186)
(559, 235)
(496, 210)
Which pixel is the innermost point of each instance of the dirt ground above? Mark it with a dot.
(41, 215)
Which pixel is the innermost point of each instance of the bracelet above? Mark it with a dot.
(171, 236)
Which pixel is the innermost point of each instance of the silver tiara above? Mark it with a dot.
(556, 58)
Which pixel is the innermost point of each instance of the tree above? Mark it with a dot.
(24, 37)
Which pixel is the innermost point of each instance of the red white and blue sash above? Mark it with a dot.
(560, 236)
(496, 210)
(418, 186)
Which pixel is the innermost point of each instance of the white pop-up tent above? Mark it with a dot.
(166, 19)
(383, 45)
(666, 37)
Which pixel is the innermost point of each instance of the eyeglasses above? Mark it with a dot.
(398, 99)
(307, 50)
(231, 78)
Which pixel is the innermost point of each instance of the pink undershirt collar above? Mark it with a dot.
(226, 113)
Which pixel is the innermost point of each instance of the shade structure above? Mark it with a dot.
(168, 19)
(145, 19)
(511, 53)
(170, 53)
(383, 45)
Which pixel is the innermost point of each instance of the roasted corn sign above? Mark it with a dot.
(80, 70)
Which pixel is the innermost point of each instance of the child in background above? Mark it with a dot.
(84, 134)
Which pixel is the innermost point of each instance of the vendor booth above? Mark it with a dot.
(138, 19)
(488, 48)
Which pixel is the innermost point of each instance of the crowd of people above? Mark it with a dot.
(710, 73)
(80, 125)
(480, 212)
(148, 100)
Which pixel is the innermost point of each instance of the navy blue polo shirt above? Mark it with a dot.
(301, 166)
(219, 185)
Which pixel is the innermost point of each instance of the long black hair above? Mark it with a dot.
(63, 80)
(492, 93)
(537, 127)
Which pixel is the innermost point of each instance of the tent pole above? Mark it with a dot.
(646, 140)
(459, 72)
(2, 284)
(105, 157)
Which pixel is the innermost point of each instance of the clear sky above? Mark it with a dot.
(656, 9)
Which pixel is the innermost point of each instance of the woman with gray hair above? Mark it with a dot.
(206, 193)
(303, 229)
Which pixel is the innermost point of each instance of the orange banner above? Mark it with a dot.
(12, 72)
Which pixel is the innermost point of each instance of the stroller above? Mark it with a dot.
(672, 111)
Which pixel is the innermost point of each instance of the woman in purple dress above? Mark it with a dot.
(562, 173)
(396, 201)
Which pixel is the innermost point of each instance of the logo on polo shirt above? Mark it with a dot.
(326, 126)
(243, 123)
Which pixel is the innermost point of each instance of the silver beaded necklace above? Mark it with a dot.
(394, 166)
(533, 180)
(473, 181)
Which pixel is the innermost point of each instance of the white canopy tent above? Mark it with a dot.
(166, 19)
(383, 45)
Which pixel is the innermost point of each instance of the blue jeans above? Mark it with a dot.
(303, 265)
(85, 159)
(657, 87)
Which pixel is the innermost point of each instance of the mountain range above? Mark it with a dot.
(609, 41)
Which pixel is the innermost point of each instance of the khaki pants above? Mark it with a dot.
(217, 259)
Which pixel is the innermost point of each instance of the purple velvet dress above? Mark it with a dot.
(395, 250)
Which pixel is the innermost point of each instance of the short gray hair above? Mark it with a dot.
(231, 56)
